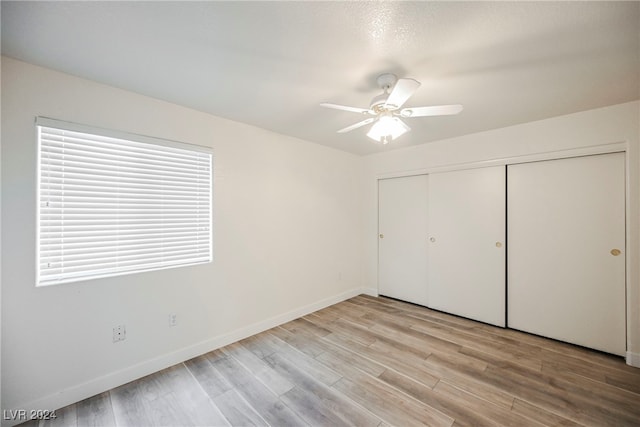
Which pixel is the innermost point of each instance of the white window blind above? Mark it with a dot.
(112, 203)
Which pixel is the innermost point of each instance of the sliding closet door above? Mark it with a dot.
(402, 240)
(467, 243)
(567, 250)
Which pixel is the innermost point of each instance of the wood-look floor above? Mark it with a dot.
(377, 362)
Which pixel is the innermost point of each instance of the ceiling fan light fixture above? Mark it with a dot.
(387, 128)
(386, 109)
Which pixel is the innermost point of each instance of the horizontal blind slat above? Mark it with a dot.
(68, 164)
(80, 239)
(54, 250)
(55, 143)
(132, 144)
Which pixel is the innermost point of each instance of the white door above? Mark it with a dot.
(567, 250)
(402, 239)
(467, 243)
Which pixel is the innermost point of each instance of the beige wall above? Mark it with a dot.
(286, 240)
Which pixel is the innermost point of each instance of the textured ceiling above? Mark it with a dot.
(270, 64)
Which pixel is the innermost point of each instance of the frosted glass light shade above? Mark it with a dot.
(387, 128)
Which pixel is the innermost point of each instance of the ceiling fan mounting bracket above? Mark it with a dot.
(386, 81)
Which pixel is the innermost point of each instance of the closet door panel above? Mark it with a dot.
(402, 240)
(467, 243)
(566, 251)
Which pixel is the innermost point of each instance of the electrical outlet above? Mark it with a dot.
(173, 319)
(119, 333)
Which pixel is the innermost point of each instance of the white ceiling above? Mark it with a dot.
(270, 64)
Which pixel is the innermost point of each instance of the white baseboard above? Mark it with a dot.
(633, 359)
(101, 384)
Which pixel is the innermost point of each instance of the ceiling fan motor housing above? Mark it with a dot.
(377, 103)
(386, 82)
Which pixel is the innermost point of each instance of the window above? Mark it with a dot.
(113, 203)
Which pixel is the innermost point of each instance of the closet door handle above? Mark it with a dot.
(382, 236)
(615, 252)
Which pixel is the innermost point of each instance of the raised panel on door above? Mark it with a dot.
(565, 219)
(467, 243)
(402, 240)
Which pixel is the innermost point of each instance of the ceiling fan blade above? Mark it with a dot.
(402, 91)
(345, 108)
(436, 110)
(357, 125)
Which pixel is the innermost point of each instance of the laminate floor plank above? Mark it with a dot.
(381, 301)
(467, 340)
(259, 368)
(376, 361)
(131, 403)
(386, 356)
(262, 344)
(624, 381)
(320, 372)
(469, 380)
(340, 359)
(416, 311)
(518, 354)
(447, 336)
(194, 406)
(461, 414)
(409, 355)
(349, 309)
(589, 393)
(170, 397)
(557, 401)
(304, 344)
(352, 330)
(413, 336)
(328, 403)
(435, 347)
(593, 368)
(237, 411)
(546, 418)
(256, 394)
(302, 324)
(345, 329)
(324, 315)
(355, 316)
(96, 411)
(393, 407)
(609, 394)
(311, 409)
(383, 304)
(209, 378)
(500, 416)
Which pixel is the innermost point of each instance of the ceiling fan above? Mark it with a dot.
(386, 111)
